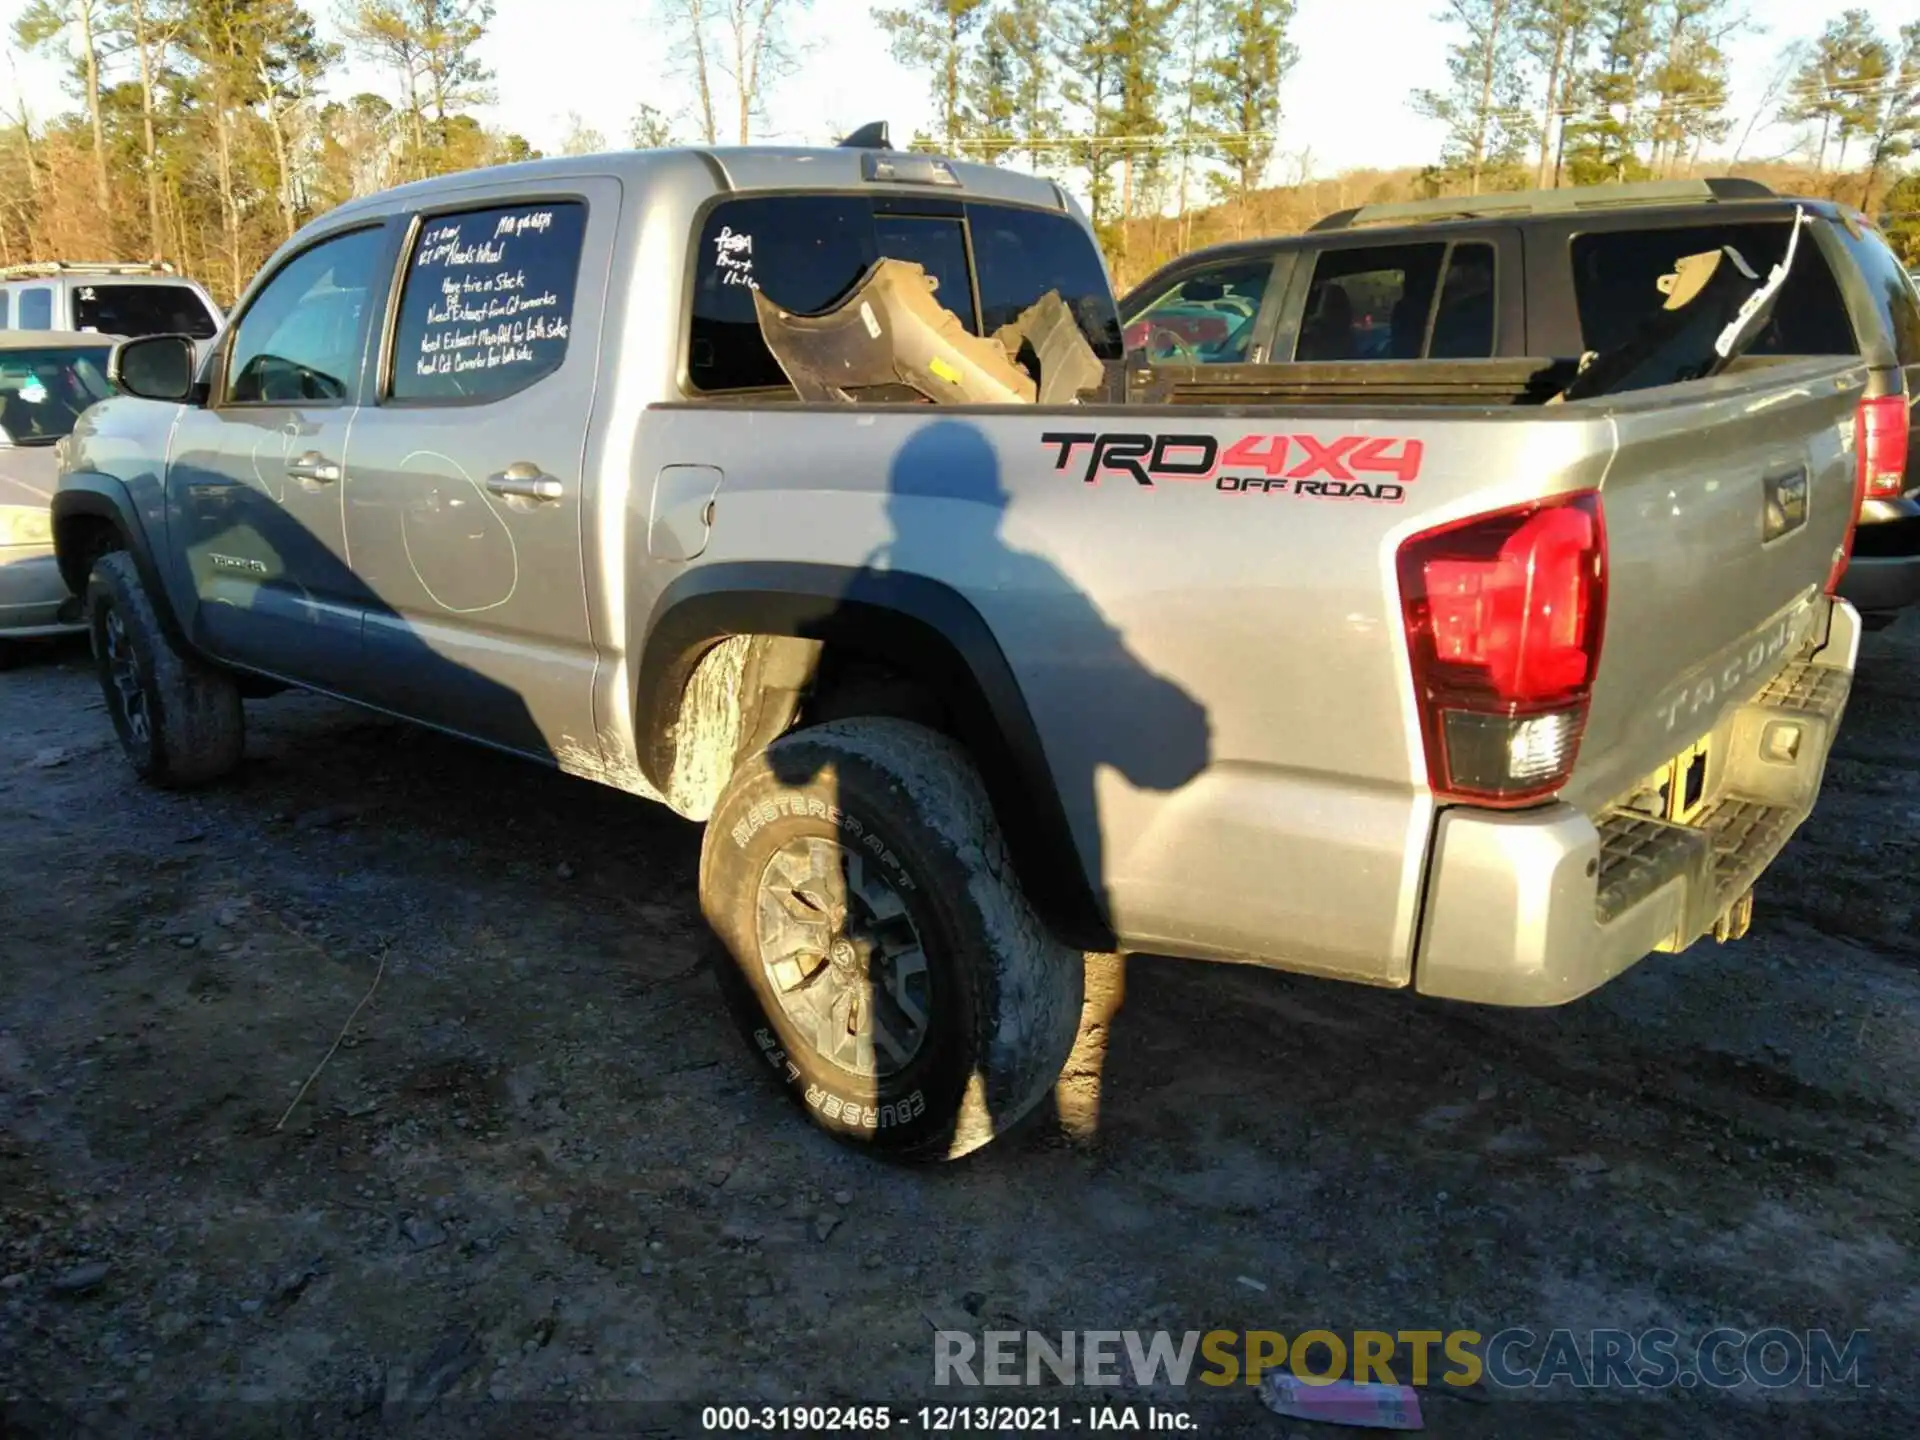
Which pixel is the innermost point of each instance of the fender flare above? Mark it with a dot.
(918, 626)
(88, 497)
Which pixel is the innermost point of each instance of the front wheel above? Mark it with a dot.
(179, 720)
(878, 953)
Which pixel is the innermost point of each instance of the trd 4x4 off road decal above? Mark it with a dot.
(1340, 469)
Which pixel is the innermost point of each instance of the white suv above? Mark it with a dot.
(127, 300)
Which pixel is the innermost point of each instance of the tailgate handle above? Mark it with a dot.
(1783, 504)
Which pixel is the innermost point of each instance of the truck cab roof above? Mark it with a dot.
(699, 171)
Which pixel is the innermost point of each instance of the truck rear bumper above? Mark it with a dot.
(1541, 906)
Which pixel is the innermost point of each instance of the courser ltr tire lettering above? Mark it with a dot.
(1006, 997)
(180, 722)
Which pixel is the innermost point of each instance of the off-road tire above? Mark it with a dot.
(189, 728)
(1006, 996)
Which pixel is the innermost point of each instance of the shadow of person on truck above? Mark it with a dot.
(1079, 701)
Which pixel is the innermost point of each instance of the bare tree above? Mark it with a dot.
(378, 30)
(45, 21)
(758, 50)
(690, 23)
(431, 45)
(1791, 61)
(581, 138)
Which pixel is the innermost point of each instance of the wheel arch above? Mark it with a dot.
(89, 509)
(919, 628)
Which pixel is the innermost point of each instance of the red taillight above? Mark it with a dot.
(1504, 614)
(1880, 438)
(1880, 429)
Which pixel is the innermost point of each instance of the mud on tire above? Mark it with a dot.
(179, 720)
(857, 882)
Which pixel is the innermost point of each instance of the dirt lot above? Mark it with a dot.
(541, 1168)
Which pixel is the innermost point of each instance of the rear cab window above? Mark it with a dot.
(1616, 275)
(138, 310)
(807, 252)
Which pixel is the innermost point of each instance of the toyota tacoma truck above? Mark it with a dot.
(1486, 701)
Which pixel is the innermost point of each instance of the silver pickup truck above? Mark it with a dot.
(1489, 700)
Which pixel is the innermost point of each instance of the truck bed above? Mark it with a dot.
(1251, 622)
(1523, 381)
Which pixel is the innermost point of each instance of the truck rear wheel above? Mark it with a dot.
(878, 953)
(179, 720)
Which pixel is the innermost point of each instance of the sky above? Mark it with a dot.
(1346, 102)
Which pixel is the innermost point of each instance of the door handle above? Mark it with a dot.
(314, 466)
(523, 481)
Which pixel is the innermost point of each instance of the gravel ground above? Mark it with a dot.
(540, 1181)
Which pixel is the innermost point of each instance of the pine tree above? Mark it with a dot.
(1141, 57)
(1555, 35)
(650, 129)
(1688, 83)
(1831, 90)
(1602, 144)
(1484, 108)
(43, 23)
(1029, 35)
(1900, 217)
(1196, 41)
(1090, 82)
(992, 82)
(148, 30)
(1240, 101)
(248, 54)
(934, 36)
(1897, 123)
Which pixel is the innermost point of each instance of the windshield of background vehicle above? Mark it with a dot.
(42, 392)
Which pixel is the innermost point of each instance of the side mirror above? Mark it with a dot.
(154, 367)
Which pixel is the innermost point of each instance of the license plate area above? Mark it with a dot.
(1678, 791)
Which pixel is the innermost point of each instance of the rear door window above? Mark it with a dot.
(488, 301)
(1370, 303)
(136, 310)
(1891, 289)
(807, 252)
(1616, 275)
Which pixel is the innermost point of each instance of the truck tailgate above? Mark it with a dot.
(1727, 502)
